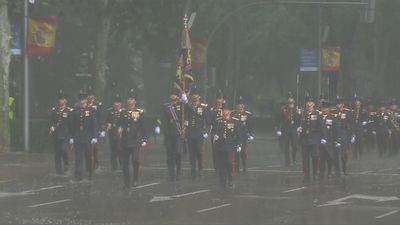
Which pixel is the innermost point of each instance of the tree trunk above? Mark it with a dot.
(101, 47)
(5, 57)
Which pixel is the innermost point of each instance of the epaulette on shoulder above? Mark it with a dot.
(70, 109)
(140, 110)
(204, 105)
(347, 109)
(319, 112)
(99, 103)
(249, 113)
(234, 118)
(110, 109)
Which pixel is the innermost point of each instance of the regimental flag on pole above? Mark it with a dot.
(184, 65)
(330, 59)
(41, 35)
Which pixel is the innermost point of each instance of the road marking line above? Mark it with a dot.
(190, 193)
(49, 203)
(274, 166)
(387, 214)
(45, 188)
(169, 198)
(384, 170)
(212, 208)
(6, 181)
(366, 172)
(263, 197)
(296, 189)
(145, 185)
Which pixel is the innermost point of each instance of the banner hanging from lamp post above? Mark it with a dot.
(308, 59)
(330, 59)
(41, 35)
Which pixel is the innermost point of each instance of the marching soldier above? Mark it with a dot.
(328, 141)
(370, 131)
(245, 133)
(84, 134)
(289, 120)
(226, 141)
(359, 122)
(310, 138)
(173, 135)
(197, 120)
(96, 106)
(133, 137)
(60, 122)
(113, 117)
(383, 130)
(216, 117)
(343, 132)
(395, 127)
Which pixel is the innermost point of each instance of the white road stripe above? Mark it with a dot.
(46, 188)
(49, 203)
(6, 181)
(190, 193)
(145, 185)
(296, 189)
(387, 214)
(212, 208)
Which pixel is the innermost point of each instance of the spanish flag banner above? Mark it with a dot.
(41, 35)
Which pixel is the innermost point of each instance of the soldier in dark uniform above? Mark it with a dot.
(383, 130)
(113, 117)
(359, 122)
(310, 138)
(216, 117)
(327, 147)
(245, 133)
(370, 128)
(343, 131)
(227, 143)
(289, 120)
(133, 137)
(84, 135)
(173, 135)
(395, 127)
(197, 120)
(60, 125)
(96, 106)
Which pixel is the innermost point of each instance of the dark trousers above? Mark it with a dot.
(241, 157)
(326, 160)
(358, 146)
(115, 151)
(370, 141)
(83, 150)
(95, 156)
(174, 149)
(310, 157)
(61, 155)
(290, 142)
(195, 146)
(214, 155)
(341, 157)
(383, 143)
(130, 154)
(224, 159)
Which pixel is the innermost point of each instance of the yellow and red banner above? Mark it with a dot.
(41, 35)
(199, 53)
(330, 59)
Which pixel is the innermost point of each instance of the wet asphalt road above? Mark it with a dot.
(31, 193)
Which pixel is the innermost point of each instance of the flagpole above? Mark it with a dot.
(26, 80)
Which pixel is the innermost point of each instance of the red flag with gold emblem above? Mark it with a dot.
(41, 35)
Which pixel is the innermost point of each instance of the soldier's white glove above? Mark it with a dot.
(93, 141)
(364, 123)
(251, 138)
(238, 149)
(144, 144)
(216, 137)
(184, 98)
(102, 134)
(323, 141)
(205, 135)
(120, 131)
(374, 132)
(299, 129)
(71, 141)
(279, 133)
(109, 126)
(337, 145)
(52, 129)
(353, 139)
(157, 130)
